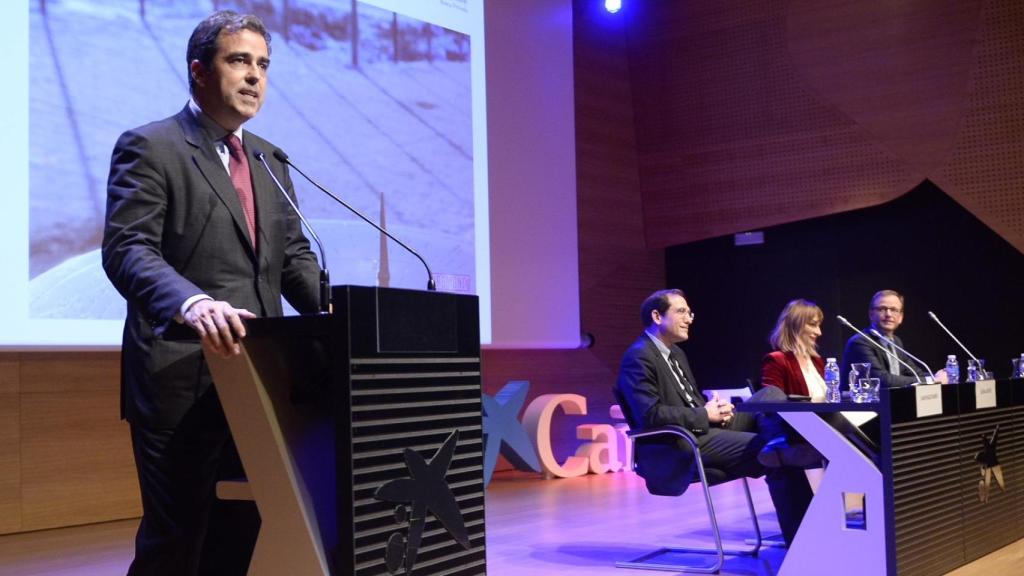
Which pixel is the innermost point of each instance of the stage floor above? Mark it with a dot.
(535, 527)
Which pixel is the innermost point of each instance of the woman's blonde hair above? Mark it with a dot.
(786, 335)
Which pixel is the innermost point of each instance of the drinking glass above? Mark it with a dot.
(975, 370)
(867, 390)
(858, 370)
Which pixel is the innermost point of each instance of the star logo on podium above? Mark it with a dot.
(988, 459)
(425, 490)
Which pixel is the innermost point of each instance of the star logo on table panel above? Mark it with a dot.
(504, 433)
(990, 467)
(424, 490)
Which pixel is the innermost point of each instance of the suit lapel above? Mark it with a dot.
(666, 379)
(210, 165)
(903, 370)
(795, 371)
(265, 194)
(684, 363)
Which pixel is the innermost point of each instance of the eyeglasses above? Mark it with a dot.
(687, 312)
(889, 309)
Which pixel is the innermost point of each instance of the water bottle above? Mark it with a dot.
(952, 369)
(832, 393)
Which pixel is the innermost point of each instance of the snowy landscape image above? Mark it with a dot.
(374, 105)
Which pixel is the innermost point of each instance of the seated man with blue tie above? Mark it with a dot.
(892, 367)
(657, 388)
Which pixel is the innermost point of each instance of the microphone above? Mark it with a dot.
(941, 325)
(325, 276)
(931, 378)
(282, 157)
(879, 346)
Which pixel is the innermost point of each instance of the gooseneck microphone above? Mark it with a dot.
(871, 341)
(325, 276)
(890, 342)
(959, 343)
(282, 157)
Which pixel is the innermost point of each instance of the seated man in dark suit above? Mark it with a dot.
(657, 388)
(886, 315)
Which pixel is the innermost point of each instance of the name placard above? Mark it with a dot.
(985, 394)
(929, 400)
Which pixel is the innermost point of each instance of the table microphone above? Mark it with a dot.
(879, 346)
(325, 276)
(282, 157)
(931, 375)
(941, 325)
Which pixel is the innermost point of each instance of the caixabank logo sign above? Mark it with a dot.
(988, 460)
(424, 491)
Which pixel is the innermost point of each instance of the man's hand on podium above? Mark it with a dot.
(219, 325)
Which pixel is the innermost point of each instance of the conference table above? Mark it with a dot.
(943, 486)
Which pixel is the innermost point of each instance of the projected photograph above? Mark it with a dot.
(373, 104)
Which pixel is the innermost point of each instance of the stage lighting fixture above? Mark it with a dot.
(612, 6)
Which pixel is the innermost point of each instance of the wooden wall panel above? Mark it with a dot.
(62, 372)
(10, 379)
(728, 137)
(77, 464)
(617, 268)
(899, 70)
(65, 454)
(985, 171)
(751, 114)
(10, 448)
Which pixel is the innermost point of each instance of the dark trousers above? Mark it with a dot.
(734, 449)
(185, 529)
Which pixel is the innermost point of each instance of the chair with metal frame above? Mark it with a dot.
(707, 477)
(742, 394)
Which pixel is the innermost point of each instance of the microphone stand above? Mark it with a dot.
(325, 276)
(931, 375)
(281, 156)
(879, 346)
(941, 325)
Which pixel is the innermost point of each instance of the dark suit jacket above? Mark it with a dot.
(859, 350)
(174, 229)
(782, 370)
(650, 396)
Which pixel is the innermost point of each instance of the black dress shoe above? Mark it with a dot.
(778, 452)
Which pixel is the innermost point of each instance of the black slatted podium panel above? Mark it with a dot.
(949, 506)
(414, 447)
(992, 509)
(416, 404)
(927, 492)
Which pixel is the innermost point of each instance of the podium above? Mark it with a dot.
(361, 435)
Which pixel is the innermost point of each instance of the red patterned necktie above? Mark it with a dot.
(238, 166)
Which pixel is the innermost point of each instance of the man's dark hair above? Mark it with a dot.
(657, 301)
(202, 45)
(883, 293)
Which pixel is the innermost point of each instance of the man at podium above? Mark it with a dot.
(196, 234)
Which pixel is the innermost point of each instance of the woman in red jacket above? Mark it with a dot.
(795, 366)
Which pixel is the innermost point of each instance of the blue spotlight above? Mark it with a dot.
(613, 6)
